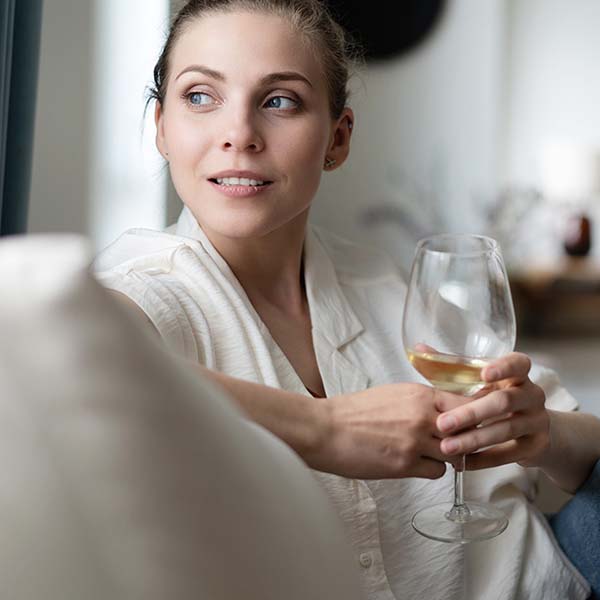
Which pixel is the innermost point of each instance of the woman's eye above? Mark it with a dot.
(282, 102)
(199, 99)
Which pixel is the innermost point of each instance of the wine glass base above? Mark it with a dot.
(483, 523)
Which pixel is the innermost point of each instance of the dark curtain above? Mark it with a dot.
(20, 27)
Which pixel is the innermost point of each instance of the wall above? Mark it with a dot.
(426, 137)
(60, 170)
(555, 82)
(426, 130)
(554, 86)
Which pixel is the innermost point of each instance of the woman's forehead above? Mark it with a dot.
(244, 42)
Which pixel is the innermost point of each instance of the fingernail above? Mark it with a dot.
(492, 373)
(447, 423)
(449, 446)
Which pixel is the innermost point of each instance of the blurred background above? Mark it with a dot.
(486, 120)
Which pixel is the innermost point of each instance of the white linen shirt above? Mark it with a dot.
(355, 296)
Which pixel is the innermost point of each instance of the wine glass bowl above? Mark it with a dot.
(458, 316)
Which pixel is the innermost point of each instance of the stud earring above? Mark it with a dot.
(329, 162)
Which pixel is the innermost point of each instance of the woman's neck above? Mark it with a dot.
(269, 268)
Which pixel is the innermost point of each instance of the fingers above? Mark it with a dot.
(423, 457)
(425, 348)
(509, 452)
(484, 391)
(495, 404)
(446, 401)
(431, 448)
(498, 455)
(498, 432)
(429, 469)
(514, 367)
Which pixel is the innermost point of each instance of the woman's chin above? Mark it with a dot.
(252, 223)
(240, 228)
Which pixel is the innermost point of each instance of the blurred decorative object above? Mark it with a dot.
(409, 209)
(578, 237)
(387, 29)
(510, 217)
(413, 200)
(570, 176)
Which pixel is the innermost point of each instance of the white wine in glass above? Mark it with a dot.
(457, 374)
(458, 317)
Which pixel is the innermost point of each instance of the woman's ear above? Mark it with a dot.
(161, 143)
(339, 144)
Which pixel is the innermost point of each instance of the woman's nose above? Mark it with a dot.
(241, 134)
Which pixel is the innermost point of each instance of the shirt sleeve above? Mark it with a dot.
(557, 397)
(160, 306)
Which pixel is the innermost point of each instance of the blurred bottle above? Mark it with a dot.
(578, 238)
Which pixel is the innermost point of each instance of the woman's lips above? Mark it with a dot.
(240, 191)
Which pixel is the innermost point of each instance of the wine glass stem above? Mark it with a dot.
(460, 511)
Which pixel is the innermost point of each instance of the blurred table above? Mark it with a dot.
(558, 298)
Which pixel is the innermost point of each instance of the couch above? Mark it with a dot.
(123, 474)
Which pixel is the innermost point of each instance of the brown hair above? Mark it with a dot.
(338, 52)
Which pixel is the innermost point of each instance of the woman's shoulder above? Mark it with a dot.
(137, 248)
(140, 270)
(357, 262)
(141, 264)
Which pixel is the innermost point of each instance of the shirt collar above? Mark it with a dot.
(330, 311)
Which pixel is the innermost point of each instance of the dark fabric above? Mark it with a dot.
(20, 28)
(577, 529)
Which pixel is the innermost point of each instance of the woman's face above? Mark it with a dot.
(246, 98)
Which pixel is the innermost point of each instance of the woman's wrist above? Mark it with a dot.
(573, 450)
(320, 435)
(548, 455)
(302, 422)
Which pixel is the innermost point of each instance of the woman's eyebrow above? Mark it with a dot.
(204, 70)
(284, 76)
(266, 80)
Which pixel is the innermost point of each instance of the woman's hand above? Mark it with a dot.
(510, 417)
(386, 432)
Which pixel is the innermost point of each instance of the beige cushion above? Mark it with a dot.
(123, 475)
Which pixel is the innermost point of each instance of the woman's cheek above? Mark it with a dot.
(188, 143)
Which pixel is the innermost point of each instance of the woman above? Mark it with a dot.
(250, 110)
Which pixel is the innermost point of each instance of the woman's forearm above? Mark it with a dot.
(301, 422)
(574, 449)
(383, 432)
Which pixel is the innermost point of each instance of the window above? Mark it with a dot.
(127, 178)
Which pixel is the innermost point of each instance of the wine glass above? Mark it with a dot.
(458, 316)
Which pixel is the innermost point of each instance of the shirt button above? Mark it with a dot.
(365, 560)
